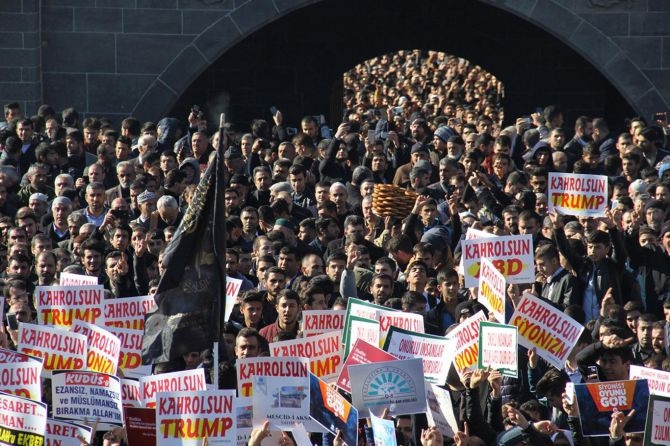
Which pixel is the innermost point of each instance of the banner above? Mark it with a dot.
(190, 292)
(140, 424)
(22, 379)
(61, 305)
(280, 391)
(658, 380)
(492, 290)
(547, 329)
(323, 351)
(130, 393)
(69, 279)
(332, 411)
(407, 321)
(60, 349)
(597, 401)
(63, 433)
(232, 291)
(512, 255)
(498, 348)
(130, 357)
(472, 234)
(464, 339)
(383, 431)
(434, 351)
(22, 421)
(361, 353)
(128, 312)
(396, 385)
(361, 309)
(86, 395)
(440, 410)
(187, 418)
(316, 322)
(103, 347)
(183, 381)
(361, 328)
(657, 429)
(577, 194)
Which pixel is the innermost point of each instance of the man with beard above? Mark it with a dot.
(288, 310)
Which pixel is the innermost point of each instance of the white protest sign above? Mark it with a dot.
(547, 329)
(128, 312)
(464, 340)
(61, 305)
(364, 329)
(577, 194)
(69, 279)
(492, 290)
(87, 396)
(232, 291)
(472, 234)
(22, 421)
(183, 381)
(658, 380)
(316, 322)
(64, 433)
(498, 348)
(60, 349)
(130, 393)
(187, 418)
(130, 358)
(103, 347)
(400, 319)
(512, 255)
(657, 429)
(434, 351)
(440, 410)
(245, 413)
(22, 379)
(383, 431)
(323, 351)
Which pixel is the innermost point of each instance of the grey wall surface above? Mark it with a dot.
(117, 58)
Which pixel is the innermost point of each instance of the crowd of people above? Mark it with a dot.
(77, 195)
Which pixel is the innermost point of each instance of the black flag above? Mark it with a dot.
(192, 288)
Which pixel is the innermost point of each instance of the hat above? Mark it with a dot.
(145, 196)
(425, 165)
(662, 169)
(418, 147)
(232, 154)
(402, 100)
(637, 186)
(285, 223)
(655, 204)
(39, 197)
(511, 437)
(466, 214)
(443, 133)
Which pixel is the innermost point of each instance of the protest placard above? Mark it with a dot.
(130, 357)
(598, 400)
(10, 356)
(244, 368)
(361, 353)
(472, 234)
(577, 194)
(22, 421)
(361, 328)
(60, 349)
(316, 322)
(498, 348)
(65, 433)
(186, 418)
(128, 312)
(61, 305)
(492, 290)
(396, 385)
(657, 428)
(140, 424)
(440, 410)
(80, 395)
(512, 255)
(332, 411)
(183, 381)
(324, 352)
(658, 380)
(280, 391)
(70, 279)
(551, 332)
(434, 352)
(407, 321)
(464, 341)
(362, 309)
(130, 393)
(232, 291)
(383, 431)
(103, 347)
(244, 411)
(22, 379)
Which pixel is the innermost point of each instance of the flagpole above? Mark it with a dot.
(222, 301)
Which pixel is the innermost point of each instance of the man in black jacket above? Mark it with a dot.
(560, 287)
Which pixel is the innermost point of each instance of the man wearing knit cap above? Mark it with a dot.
(146, 201)
(38, 203)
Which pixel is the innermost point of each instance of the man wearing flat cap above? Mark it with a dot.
(146, 201)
